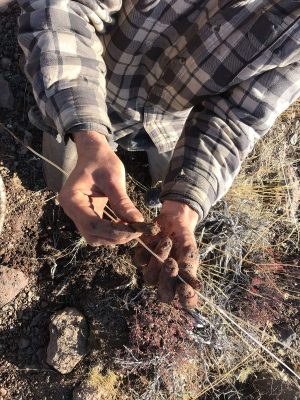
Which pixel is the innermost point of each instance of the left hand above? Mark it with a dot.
(98, 177)
(176, 246)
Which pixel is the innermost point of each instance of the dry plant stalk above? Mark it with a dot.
(2, 203)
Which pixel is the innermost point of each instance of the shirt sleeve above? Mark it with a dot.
(220, 133)
(64, 60)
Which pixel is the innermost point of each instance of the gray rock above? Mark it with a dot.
(6, 96)
(68, 339)
(12, 281)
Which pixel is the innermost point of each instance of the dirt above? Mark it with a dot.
(127, 326)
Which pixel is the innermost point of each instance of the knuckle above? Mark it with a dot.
(164, 244)
(190, 253)
(170, 267)
(125, 202)
(112, 180)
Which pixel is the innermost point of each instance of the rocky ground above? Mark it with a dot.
(77, 323)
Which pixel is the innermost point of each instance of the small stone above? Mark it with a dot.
(44, 304)
(285, 333)
(17, 79)
(3, 392)
(36, 340)
(5, 62)
(23, 343)
(68, 339)
(36, 320)
(294, 139)
(26, 330)
(12, 281)
(29, 351)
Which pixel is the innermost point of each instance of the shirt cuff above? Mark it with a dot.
(87, 126)
(198, 195)
(78, 109)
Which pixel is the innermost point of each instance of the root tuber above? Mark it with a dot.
(148, 228)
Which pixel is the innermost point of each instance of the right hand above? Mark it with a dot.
(176, 247)
(98, 177)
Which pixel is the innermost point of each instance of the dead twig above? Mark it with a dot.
(2, 203)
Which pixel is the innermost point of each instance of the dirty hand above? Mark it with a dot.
(98, 177)
(176, 246)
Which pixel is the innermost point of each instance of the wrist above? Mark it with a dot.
(89, 139)
(89, 143)
(183, 213)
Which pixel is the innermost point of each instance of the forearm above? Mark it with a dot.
(64, 63)
(206, 160)
(217, 139)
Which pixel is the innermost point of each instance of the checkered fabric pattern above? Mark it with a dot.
(206, 78)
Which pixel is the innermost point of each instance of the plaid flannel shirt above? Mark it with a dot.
(206, 78)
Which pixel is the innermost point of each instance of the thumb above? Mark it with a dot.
(123, 206)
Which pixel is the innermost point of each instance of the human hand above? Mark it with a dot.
(176, 246)
(98, 177)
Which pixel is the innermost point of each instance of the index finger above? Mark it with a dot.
(188, 263)
(86, 217)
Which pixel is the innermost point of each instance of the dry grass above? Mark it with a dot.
(246, 236)
(104, 383)
(245, 240)
(251, 232)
